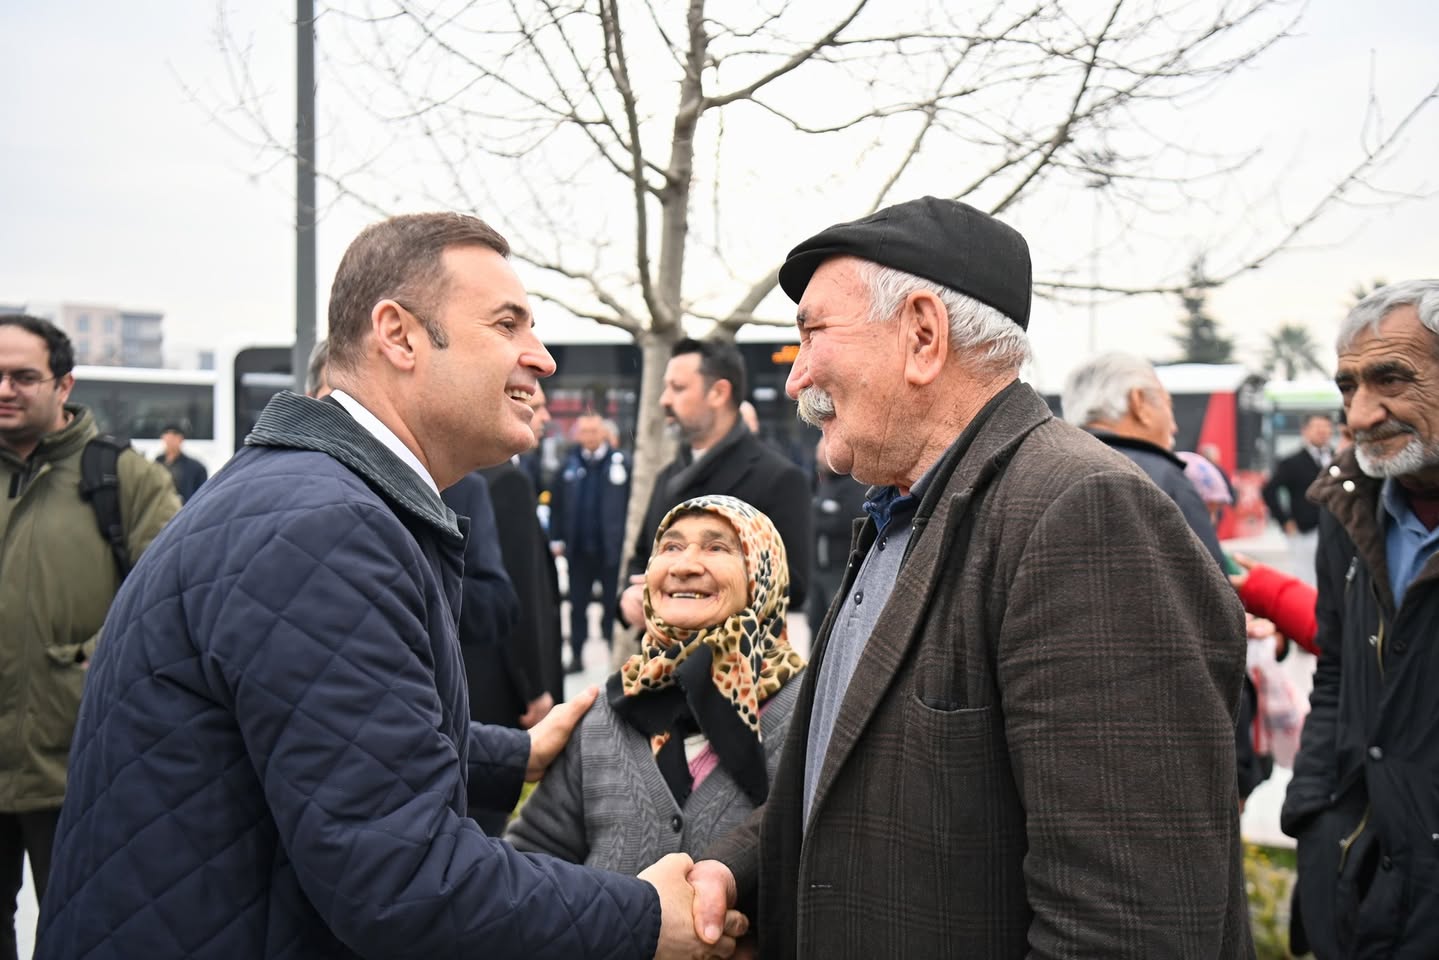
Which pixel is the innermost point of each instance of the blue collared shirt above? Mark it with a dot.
(893, 514)
(1408, 543)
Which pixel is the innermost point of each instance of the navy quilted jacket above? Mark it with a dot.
(271, 754)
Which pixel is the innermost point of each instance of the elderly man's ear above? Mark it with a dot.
(1143, 406)
(925, 325)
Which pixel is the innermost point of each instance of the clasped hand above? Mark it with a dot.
(696, 901)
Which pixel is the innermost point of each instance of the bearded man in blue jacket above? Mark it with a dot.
(274, 754)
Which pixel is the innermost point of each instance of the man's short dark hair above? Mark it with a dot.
(399, 259)
(1311, 417)
(718, 361)
(173, 428)
(57, 344)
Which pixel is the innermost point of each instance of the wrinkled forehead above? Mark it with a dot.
(837, 287)
(1399, 337)
(700, 523)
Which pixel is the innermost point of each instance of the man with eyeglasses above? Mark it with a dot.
(58, 575)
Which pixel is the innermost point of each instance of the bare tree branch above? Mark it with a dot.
(793, 63)
(619, 70)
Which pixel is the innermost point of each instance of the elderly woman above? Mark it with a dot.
(681, 747)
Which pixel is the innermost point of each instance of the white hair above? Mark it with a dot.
(1370, 312)
(1097, 391)
(971, 324)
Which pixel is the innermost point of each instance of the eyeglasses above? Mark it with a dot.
(24, 380)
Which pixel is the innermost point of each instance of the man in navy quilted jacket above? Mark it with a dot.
(274, 754)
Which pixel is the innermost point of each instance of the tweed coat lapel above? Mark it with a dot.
(963, 473)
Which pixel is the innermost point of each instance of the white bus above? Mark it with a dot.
(215, 408)
(137, 404)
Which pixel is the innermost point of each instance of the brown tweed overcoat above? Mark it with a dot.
(1035, 757)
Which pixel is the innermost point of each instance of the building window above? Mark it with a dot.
(82, 323)
(109, 324)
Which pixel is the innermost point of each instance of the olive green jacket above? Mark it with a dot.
(57, 578)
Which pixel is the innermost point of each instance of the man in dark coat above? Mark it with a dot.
(503, 678)
(592, 496)
(274, 754)
(187, 472)
(1362, 804)
(536, 640)
(1015, 735)
(704, 385)
(1284, 492)
(534, 643)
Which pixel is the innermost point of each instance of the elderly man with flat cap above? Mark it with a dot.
(1016, 738)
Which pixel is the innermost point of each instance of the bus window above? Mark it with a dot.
(135, 409)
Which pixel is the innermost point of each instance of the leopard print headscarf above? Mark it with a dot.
(752, 658)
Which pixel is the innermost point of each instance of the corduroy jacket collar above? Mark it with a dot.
(303, 423)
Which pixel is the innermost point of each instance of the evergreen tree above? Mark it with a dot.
(1199, 338)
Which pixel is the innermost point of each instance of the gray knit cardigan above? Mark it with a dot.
(604, 803)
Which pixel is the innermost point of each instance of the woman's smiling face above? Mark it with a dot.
(697, 576)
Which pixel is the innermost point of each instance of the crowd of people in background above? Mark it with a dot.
(288, 710)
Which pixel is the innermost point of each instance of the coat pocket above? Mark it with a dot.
(949, 769)
(959, 824)
(56, 704)
(1333, 849)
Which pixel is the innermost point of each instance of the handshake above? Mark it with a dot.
(697, 921)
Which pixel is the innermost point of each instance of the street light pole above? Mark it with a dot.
(305, 281)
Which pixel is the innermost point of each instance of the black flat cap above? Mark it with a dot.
(945, 241)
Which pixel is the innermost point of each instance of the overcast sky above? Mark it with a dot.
(120, 189)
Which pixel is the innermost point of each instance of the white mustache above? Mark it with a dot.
(1385, 430)
(815, 406)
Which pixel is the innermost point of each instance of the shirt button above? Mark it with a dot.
(1376, 753)
(881, 545)
(677, 823)
(858, 597)
(1386, 864)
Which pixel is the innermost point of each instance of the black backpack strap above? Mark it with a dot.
(100, 484)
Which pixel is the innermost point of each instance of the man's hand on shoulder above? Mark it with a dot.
(549, 736)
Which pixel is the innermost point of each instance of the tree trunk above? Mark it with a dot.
(653, 449)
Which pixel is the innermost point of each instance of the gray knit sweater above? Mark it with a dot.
(604, 803)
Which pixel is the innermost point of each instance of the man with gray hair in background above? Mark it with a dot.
(1118, 398)
(1362, 804)
(317, 379)
(1002, 748)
